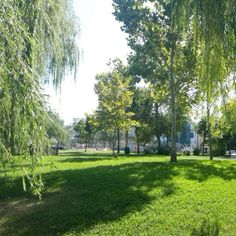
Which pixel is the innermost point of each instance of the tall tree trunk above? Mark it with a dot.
(209, 91)
(138, 147)
(209, 128)
(126, 138)
(57, 148)
(137, 140)
(203, 144)
(173, 105)
(157, 129)
(92, 142)
(118, 140)
(114, 143)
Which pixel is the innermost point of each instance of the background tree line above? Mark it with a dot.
(187, 47)
(185, 50)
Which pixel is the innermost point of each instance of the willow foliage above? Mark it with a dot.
(214, 25)
(37, 41)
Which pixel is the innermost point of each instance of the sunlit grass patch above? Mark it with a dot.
(94, 194)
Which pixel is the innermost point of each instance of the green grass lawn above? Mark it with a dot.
(94, 194)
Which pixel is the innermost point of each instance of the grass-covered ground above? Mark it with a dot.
(94, 194)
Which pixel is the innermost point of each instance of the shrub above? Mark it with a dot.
(127, 150)
(148, 151)
(186, 149)
(218, 147)
(196, 151)
(163, 151)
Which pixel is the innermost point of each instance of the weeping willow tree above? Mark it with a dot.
(37, 43)
(214, 25)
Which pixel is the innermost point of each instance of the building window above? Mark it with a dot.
(191, 135)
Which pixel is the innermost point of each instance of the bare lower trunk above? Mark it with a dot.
(209, 131)
(114, 143)
(138, 147)
(118, 140)
(126, 138)
(203, 146)
(158, 141)
(137, 140)
(173, 133)
(157, 127)
(173, 157)
(57, 148)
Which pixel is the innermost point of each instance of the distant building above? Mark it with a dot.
(190, 137)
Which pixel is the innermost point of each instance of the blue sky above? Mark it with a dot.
(100, 39)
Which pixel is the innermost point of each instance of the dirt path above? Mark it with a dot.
(15, 207)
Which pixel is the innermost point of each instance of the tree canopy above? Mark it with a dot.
(114, 97)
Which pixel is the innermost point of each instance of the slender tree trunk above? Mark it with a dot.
(173, 106)
(229, 147)
(157, 125)
(209, 128)
(92, 142)
(118, 140)
(138, 147)
(126, 138)
(57, 148)
(137, 140)
(114, 143)
(203, 145)
(209, 83)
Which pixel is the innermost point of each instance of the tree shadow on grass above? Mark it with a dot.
(202, 170)
(11, 188)
(102, 154)
(86, 197)
(85, 159)
(80, 199)
(85, 154)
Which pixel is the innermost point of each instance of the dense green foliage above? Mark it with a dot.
(85, 130)
(142, 105)
(114, 99)
(225, 128)
(37, 43)
(94, 194)
(202, 130)
(56, 130)
(185, 46)
(163, 56)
